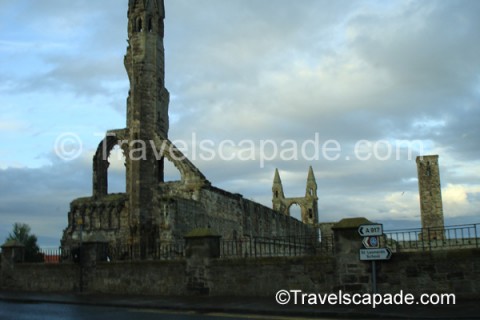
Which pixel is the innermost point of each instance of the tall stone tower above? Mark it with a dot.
(308, 204)
(147, 107)
(148, 98)
(430, 197)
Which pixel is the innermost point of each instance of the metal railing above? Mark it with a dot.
(275, 247)
(428, 239)
(54, 255)
(164, 251)
(405, 240)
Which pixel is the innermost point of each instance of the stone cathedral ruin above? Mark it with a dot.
(152, 211)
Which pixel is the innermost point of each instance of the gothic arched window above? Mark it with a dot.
(150, 25)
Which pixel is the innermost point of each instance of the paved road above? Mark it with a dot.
(47, 311)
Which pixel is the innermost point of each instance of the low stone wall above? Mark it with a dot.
(202, 272)
(265, 276)
(139, 277)
(452, 271)
(42, 277)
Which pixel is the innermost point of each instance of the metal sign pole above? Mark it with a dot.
(372, 250)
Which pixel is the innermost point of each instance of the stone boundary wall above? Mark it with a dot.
(202, 272)
(455, 271)
(265, 276)
(139, 277)
(42, 277)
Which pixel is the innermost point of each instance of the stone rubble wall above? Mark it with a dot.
(453, 271)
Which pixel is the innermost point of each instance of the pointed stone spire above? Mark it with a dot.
(277, 193)
(277, 179)
(311, 183)
(311, 175)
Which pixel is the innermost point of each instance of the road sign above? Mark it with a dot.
(371, 242)
(366, 230)
(375, 254)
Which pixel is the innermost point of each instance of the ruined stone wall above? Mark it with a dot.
(262, 221)
(107, 217)
(178, 211)
(231, 215)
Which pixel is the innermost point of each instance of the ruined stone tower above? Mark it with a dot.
(308, 204)
(147, 118)
(147, 105)
(430, 197)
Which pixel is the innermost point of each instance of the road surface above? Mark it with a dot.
(48, 311)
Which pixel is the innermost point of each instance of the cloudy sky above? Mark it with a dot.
(256, 70)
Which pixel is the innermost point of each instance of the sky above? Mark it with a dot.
(371, 84)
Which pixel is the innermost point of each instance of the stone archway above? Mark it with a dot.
(190, 175)
(295, 210)
(101, 164)
(117, 171)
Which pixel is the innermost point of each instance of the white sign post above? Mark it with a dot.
(372, 251)
(375, 254)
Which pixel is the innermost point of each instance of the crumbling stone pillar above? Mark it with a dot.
(201, 246)
(92, 251)
(12, 252)
(352, 274)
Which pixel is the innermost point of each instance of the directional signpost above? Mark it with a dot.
(375, 254)
(370, 242)
(375, 229)
(372, 251)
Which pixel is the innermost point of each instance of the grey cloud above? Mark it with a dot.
(41, 196)
(275, 70)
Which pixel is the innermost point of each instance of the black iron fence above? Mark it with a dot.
(276, 247)
(406, 240)
(428, 239)
(54, 255)
(163, 251)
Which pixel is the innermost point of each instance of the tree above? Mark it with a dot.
(21, 233)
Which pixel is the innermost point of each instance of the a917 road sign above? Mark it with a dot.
(366, 230)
